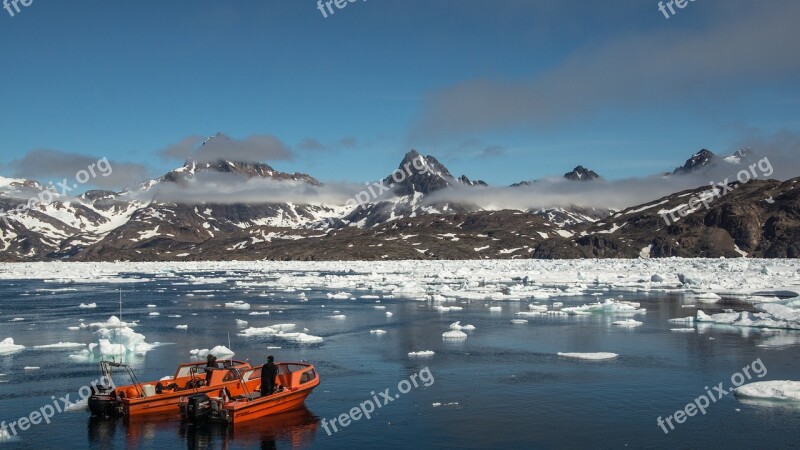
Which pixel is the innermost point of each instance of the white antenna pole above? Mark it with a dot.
(229, 341)
(119, 331)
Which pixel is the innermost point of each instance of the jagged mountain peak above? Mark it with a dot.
(249, 169)
(701, 159)
(581, 173)
(419, 173)
(463, 179)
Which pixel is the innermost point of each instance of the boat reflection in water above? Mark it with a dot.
(297, 428)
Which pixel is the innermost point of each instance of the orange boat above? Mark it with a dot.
(244, 402)
(162, 396)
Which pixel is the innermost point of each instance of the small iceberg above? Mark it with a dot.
(458, 326)
(421, 354)
(7, 346)
(454, 334)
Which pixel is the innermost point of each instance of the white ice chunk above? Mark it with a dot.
(238, 304)
(778, 390)
(454, 334)
(219, 351)
(589, 356)
(112, 322)
(7, 346)
(60, 345)
(629, 323)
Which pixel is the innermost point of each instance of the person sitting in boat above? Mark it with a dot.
(268, 374)
(211, 363)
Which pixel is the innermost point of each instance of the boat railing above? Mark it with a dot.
(247, 394)
(107, 368)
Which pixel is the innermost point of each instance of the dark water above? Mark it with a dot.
(504, 387)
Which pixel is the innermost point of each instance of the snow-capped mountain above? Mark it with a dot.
(161, 219)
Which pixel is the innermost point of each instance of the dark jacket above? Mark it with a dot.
(269, 372)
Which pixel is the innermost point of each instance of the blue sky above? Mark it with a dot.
(501, 90)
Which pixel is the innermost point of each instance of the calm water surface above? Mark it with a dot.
(504, 387)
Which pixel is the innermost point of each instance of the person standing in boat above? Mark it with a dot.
(268, 374)
(211, 363)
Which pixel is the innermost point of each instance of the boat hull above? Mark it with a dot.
(266, 406)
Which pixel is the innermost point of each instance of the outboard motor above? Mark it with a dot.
(103, 402)
(198, 408)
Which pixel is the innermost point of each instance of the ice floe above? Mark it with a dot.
(87, 305)
(519, 321)
(421, 354)
(771, 315)
(597, 356)
(442, 308)
(60, 346)
(377, 331)
(181, 327)
(708, 297)
(458, 326)
(628, 323)
(279, 331)
(688, 320)
(778, 390)
(238, 304)
(454, 334)
(607, 307)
